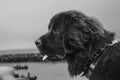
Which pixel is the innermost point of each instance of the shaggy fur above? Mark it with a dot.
(83, 41)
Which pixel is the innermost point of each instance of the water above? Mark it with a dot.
(46, 71)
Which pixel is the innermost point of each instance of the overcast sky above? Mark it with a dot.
(23, 21)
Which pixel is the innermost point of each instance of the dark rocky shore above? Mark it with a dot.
(19, 57)
(31, 57)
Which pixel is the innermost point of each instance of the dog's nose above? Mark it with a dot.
(38, 42)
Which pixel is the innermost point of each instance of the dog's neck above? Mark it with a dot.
(93, 64)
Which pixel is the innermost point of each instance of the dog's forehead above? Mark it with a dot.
(56, 22)
(56, 25)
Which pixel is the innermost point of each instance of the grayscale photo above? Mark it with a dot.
(59, 40)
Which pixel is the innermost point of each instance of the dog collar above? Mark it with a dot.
(96, 55)
(96, 58)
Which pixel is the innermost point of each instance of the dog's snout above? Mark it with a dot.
(44, 39)
(38, 42)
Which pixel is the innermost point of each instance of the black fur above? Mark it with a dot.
(108, 67)
(81, 39)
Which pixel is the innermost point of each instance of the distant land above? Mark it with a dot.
(19, 51)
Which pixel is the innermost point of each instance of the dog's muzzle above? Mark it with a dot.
(38, 43)
(44, 52)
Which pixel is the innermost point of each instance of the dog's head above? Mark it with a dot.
(51, 43)
(75, 36)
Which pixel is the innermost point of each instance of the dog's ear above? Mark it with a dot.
(96, 29)
(74, 39)
(79, 35)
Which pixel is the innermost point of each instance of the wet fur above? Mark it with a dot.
(81, 38)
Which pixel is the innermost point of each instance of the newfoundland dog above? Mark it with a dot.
(90, 49)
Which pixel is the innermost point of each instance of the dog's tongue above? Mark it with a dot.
(44, 57)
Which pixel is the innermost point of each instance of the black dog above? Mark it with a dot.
(85, 43)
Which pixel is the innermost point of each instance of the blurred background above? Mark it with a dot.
(23, 21)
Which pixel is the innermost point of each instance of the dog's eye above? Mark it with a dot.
(56, 32)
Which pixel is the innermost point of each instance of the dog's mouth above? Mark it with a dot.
(44, 57)
(47, 52)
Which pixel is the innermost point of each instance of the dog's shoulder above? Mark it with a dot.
(113, 50)
(108, 64)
